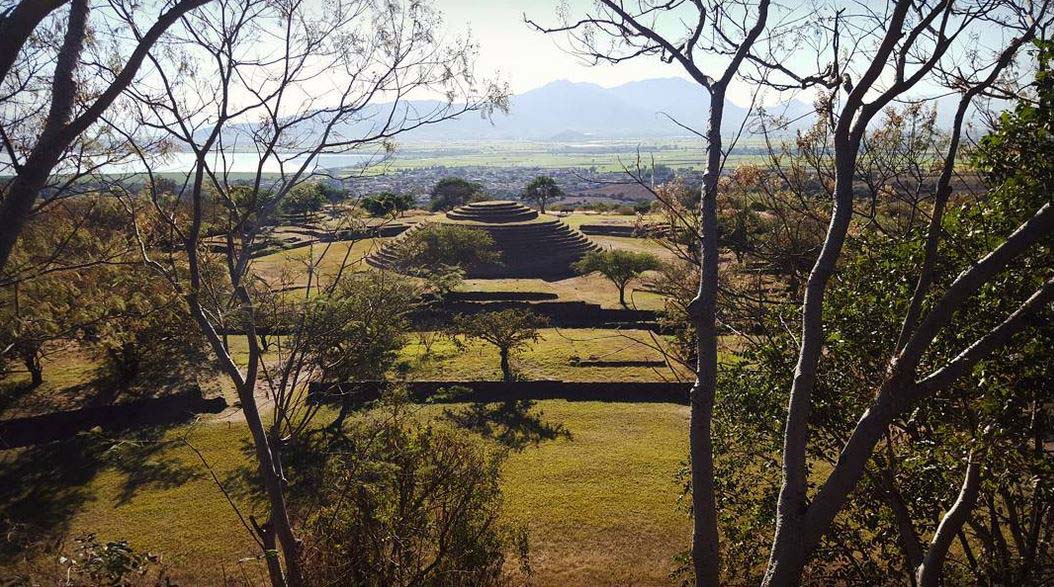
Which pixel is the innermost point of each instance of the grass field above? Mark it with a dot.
(597, 492)
(549, 358)
(600, 500)
(291, 266)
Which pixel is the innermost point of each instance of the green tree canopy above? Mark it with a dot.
(509, 330)
(387, 204)
(304, 198)
(619, 266)
(429, 248)
(542, 190)
(451, 192)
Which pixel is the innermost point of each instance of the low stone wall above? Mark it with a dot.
(609, 229)
(19, 432)
(588, 363)
(494, 296)
(497, 391)
(568, 314)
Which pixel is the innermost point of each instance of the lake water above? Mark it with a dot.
(235, 163)
(244, 163)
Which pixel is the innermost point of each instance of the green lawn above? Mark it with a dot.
(598, 495)
(600, 500)
(290, 267)
(549, 358)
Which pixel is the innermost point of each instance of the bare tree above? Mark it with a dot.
(690, 34)
(286, 83)
(50, 96)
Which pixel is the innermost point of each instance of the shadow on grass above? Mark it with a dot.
(12, 393)
(516, 424)
(43, 487)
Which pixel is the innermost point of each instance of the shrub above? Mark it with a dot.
(437, 245)
(111, 564)
(414, 505)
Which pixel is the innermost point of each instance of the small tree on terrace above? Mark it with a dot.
(509, 330)
(451, 192)
(619, 266)
(541, 190)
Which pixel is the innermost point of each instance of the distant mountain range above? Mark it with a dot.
(571, 111)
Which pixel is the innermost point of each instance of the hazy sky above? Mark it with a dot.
(529, 59)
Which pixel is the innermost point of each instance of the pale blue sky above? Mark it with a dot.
(530, 59)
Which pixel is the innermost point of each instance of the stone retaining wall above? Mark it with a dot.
(497, 391)
(19, 432)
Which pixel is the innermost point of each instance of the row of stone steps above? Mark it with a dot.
(529, 247)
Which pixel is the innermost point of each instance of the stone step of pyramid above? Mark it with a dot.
(530, 245)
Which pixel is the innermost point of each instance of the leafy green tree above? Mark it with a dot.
(305, 198)
(387, 204)
(426, 500)
(334, 193)
(60, 284)
(508, 330)
(450, 192)
(434, 246)
(355, 331)
(542, 190)
(619, 266)
(30, 322)
(144, 331)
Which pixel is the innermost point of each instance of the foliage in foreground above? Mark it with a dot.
(411, 504)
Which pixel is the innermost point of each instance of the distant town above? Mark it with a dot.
(580, 184)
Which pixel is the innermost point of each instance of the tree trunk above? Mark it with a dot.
(506, 369)
(273, 483)
(274, 565)
(267, 460)
(622, 295)
(706, 560)
(31, 178)
(36, 371)
(789, 549)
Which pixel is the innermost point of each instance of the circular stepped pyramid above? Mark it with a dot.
(530, 246)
